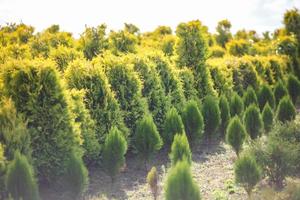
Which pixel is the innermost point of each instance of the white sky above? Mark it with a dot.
(73, 15)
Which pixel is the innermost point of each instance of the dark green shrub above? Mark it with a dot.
(286, 110)
(180, 150)
(39, 95)
(293, 86)
(153, 90)
(147, 139)
(225, 113)
(279, 91)
(188, 81)
(172, 84)
(267, 117)
(265, 95)
(20, 180)
(127, 86)
(86, 125)
(114, 151)
(249, 97)
(238, 47)
(173, 125)
(253, 122)
(236, 134)
(99, 98)
(247, 172)
(13, 131)
(236, 105)
(152, 180)
(193, 122)
(180, 184)
(211, 115)
(75, 180)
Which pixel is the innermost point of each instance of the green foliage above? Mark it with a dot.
(238, 47)
(14, 134)
(191, 45)
(217, 52)
(211, 115)
(223, 32)
(291, 21)
(247, 172)
(267, 117)
(122, 41)
(172, 84)
(180, 184)
(236, 105)
(249, 97)
(225, 113)
(99, 98)
(293, 86)
(236, 134)
(253, 122)
(279, 91)
(180, 150)
(39, 95)
(114, 151)
(153, 90)
(147, 139)
(193, 122)
(173, 125)
(93, 41)
(86, 125)
(127, 86)
(188, 82)
(20, 180)
(75, 180)
(286, 111)
(152, 180)
(265, 95)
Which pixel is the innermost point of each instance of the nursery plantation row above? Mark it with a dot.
(71, 105)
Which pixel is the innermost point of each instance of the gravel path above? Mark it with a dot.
(212, 169)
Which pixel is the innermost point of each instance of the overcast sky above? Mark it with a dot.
(73, 15)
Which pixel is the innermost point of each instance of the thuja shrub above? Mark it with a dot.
(286, 110)
(267, 117)
(188, 81)
(99, 98)
(75, 179)
(293, 86)
(20, 180)
(180, 184)
(40, 97)
(114, 151)
(13, 131)
(86, 124)
(180, 150)
(247, 172)
(211, 115)
(249, 97)
(127, 86)
(147, 140)
(265, 95)
(279, 91)
(236, 134)
(193, 122)
(153, 90)
(236, 105)
(253, 121)
(172, 84)
(225, 113)
(173, 125)
(152, 180)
